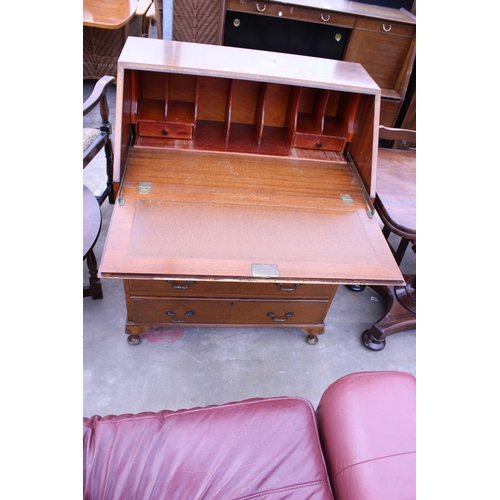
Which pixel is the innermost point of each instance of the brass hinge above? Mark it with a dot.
(145, 187)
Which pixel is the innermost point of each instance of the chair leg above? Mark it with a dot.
(108, 151)
(94, 289)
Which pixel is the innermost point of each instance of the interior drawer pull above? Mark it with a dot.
(280, 320)
(180, 287)
(172, 315)
(286, 288)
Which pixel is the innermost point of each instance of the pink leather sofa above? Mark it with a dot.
(358, 444)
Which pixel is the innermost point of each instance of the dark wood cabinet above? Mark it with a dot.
(379, 38)
(244, 183)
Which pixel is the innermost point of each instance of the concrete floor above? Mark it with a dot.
(185, 367)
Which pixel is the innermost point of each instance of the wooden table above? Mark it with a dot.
(91, 230)
(108, 14)
(106, 26)
(396, 204)
(244, 180)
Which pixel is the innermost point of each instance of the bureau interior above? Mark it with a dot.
(178, 110)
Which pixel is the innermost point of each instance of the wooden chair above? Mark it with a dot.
(395, 203)
(155, 13)
(102, 45)
(94, 141)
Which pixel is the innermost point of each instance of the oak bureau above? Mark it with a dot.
(244, 183)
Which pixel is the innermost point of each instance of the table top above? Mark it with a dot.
(108, 14)
(91, 219)
(396, 188)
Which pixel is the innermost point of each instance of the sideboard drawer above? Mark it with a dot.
(178, 288)
(166, 130)
(384, 26)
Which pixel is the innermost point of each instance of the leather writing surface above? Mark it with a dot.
(213, 216)
(166, 230)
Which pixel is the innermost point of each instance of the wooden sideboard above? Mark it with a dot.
(380, 38)
(244, 182)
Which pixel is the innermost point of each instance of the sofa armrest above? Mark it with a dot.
(367, 426)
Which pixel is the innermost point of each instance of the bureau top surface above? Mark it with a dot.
(212, 217)
(246, 64)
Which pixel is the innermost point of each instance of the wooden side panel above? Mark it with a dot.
(362, 149)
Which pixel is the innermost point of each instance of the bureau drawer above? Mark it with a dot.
(279, 312)
(171, 288)
(160, 311)
(320, 142)
(166, 130)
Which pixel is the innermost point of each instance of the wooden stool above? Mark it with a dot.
(396, 205)
(91, 230)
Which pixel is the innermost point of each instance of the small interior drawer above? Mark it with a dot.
(165, 130)
(320, 142)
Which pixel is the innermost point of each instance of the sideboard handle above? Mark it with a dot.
(325, 19)
(261, 9)
(172, 315)
(280, 320)
(387, 29)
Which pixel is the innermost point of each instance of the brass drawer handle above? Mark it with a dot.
(172, 315)
(180, 287)
(261, 9)
(387, 29)
(285, 288)
(280, 320)
(325, 19)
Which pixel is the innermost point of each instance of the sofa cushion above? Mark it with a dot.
(367, 424)
(261, 448)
